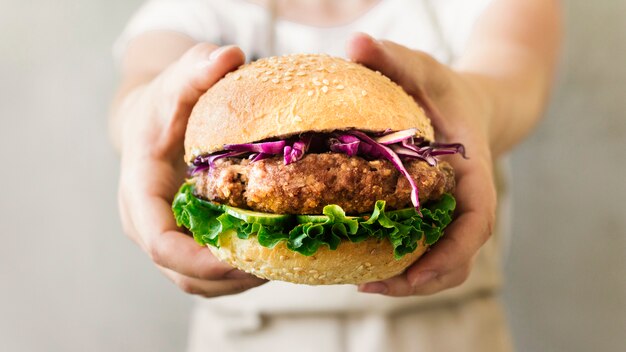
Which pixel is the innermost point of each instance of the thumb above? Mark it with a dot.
(197, 70)
(418, 73)
(180, 86)
(413, 70)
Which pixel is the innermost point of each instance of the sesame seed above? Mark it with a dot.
(288, 78)
(236, 77)
(310, 93)
(275, 80)
(297, 118)
(325, 81)
(297, 268)
(363, 93)
(340, 87)
(316, 82)
(264, 79)
(269, 72)
(300, 73)
(288, 87)
(325, 89)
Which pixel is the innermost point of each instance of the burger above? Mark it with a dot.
(315, 170)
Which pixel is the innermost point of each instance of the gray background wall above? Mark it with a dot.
(70, 281)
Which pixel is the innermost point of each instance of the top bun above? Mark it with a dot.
(287, 95)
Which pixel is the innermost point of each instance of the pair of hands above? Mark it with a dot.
(152, 166)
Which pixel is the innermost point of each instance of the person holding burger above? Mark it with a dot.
(316, 170)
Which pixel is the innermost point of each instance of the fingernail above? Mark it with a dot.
(217, 52)
(212, 57)
(374, 40)
(423, 277)
(374, 287)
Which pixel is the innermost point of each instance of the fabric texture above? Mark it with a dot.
(438, 27)
(475, 324)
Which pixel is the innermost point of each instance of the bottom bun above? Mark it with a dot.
(350, 263)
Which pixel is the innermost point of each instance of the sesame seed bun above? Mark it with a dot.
(287, 95)
(350, 263)
(283, 96)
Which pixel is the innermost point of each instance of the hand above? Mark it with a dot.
(460, 112)
(152, 169)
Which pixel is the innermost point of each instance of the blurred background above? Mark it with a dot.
(71, 281)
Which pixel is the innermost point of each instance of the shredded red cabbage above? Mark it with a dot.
(346, 144)
(263, 147)
(204, 162)
(396, 137)
(392, 146)
(385, 152)
(296, 151)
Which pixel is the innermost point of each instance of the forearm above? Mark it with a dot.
(511, 58)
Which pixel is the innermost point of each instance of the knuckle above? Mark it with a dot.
(465, 273)
(490, 224)
(156, 252)
(127, 229)
(425, 58)
(186, 285)
(125, 218)
(462, 275)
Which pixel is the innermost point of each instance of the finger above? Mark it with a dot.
(214, 288)
(174, 250)
(448, 263)
(413, 70)
(181, 85)
(443, 282)
(472, 227)
(148, 203)
(199, 69)
(397, 286)
(400, 286)
(418, 73)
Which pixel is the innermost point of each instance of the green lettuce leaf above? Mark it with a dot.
(402, 228)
